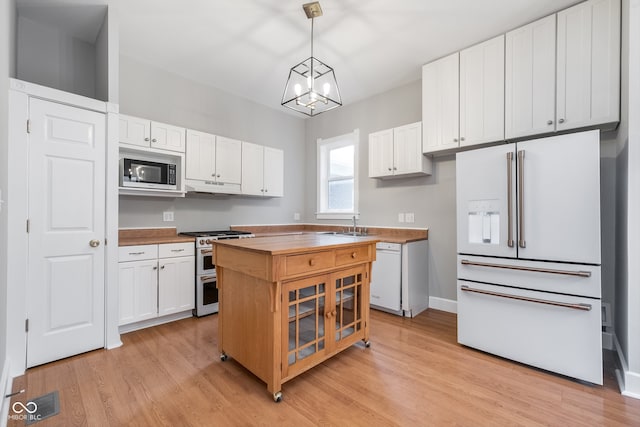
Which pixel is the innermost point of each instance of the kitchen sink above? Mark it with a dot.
(345, 233)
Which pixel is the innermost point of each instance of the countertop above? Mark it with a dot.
(296, 243)
(151, 236)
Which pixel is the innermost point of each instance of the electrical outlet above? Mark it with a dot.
(401, 217)
(167, 216)
(409, 217)
(296, 216)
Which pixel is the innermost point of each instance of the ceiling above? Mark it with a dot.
(246, 47)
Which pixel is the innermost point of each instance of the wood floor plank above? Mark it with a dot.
(415, 373)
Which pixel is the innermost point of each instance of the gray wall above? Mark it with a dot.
(158, 95)
(431, 198)
(49, 57)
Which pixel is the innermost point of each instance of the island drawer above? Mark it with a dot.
(352, 255)
(304, 263)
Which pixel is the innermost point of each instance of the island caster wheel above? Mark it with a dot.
(277, 396)
(223, 357)
(367, 344)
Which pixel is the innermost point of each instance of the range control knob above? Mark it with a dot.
(208, 242)
(201, 242)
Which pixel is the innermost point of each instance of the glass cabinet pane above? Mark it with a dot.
(305, 309)
(348, 317)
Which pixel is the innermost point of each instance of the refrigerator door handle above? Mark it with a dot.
(523, 268)
(509, 200)
(521, 242)
(584, 307)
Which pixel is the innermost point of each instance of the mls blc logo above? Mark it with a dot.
(23, 411)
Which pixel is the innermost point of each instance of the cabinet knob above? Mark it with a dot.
(462, 138)
(155, 268)
(455, 139)
(395, 168)
(389, 168)
(213, 175)
(218, 176)
(312, 262)
(561, 121)
(327, 314)
(333, 313)
(549, 122)
(162, 267)
(266, 189)
(353, 255)
(146, 139)
(154, 140)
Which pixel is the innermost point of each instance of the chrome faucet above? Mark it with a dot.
(354, 225)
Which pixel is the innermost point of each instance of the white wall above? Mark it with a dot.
(158, 95)
(432, 199)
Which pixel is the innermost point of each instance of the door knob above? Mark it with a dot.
(94, 243)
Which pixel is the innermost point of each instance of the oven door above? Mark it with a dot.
(206, 294)
(204, 263)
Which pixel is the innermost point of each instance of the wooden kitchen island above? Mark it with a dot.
(287, 303)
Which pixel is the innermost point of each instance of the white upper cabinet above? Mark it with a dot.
(530, 90)
(440, 105)
(213, 163)
(397, 152)
(262, 170)
(228, 160)
(482, 92)
(149, 134)
(200, 156)
(588, 73)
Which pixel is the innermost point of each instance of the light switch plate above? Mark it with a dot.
(167, 216)
(296, 216)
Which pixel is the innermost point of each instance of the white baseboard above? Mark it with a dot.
(6, 383)
(155, 321)
(629, 382)
(443, 304)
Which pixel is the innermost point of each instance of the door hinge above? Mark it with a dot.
(28, 126)
(26, 325)
(28, 225)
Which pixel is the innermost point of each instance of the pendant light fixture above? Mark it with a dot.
(311, 87)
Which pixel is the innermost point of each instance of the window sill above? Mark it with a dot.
(336, 215)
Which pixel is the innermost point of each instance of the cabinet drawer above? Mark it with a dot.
(137, 253)
(559, 333)
(296, 264)
(352, 255)
(169, 250)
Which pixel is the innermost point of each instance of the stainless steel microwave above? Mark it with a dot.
(147, 174)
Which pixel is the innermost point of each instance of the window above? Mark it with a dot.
(338, 176)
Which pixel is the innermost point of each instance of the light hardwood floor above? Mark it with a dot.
(414, 374)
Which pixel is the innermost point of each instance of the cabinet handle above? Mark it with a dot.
(177, 250)
(521, 242)
(509, 200)
(136, 253)
(312, 262)
(561, 121)
(585, 307)
(146, 139)
(462, 138)
(353, 254)
(455, 139)
(549, 122)
(154, 140)
(578, 273)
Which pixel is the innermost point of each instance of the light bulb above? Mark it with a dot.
(326, 88)
(309, 82)
(298, 89)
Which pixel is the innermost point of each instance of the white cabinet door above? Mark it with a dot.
(273, 172)
(486, 209)
(228, 160)
(200, 156)
(588, 73)
(138, 291)
(381, 153)
(440, 104)
(252, 169)
(530, 89)
(167, 137)
(560, 220)
(176, 288)
(134, 131)
(407, 149)
(482, 92)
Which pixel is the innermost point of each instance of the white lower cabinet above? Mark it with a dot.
(155, 280)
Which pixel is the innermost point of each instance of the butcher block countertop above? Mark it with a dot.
(285, 244)
(151, 236)
(383, 234)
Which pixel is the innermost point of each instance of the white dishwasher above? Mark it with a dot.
(386, 277)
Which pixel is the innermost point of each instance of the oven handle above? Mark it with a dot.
(207, 278)
(579, 273)
(206, 251)
(584, 307)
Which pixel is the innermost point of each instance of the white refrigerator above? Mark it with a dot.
(528, 239)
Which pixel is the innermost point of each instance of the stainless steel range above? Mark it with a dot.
(205, 282)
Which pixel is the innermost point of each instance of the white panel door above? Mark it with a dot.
(407, 148)
(482, 92)
(200, 156)
(588, 64)
(530, 76)
(167, 137)
(273, 172)
(440, 104)
(381, 153)
(252, 169)
(65, 288)
(486, 209)
(228, 160)
(138, 296)
(134, 131)
(176, 290)
(560, 196)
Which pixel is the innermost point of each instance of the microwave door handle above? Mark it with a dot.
(509, 199)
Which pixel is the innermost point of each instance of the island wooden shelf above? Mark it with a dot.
(287, 303)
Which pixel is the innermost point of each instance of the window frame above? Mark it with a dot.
(324, 146)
